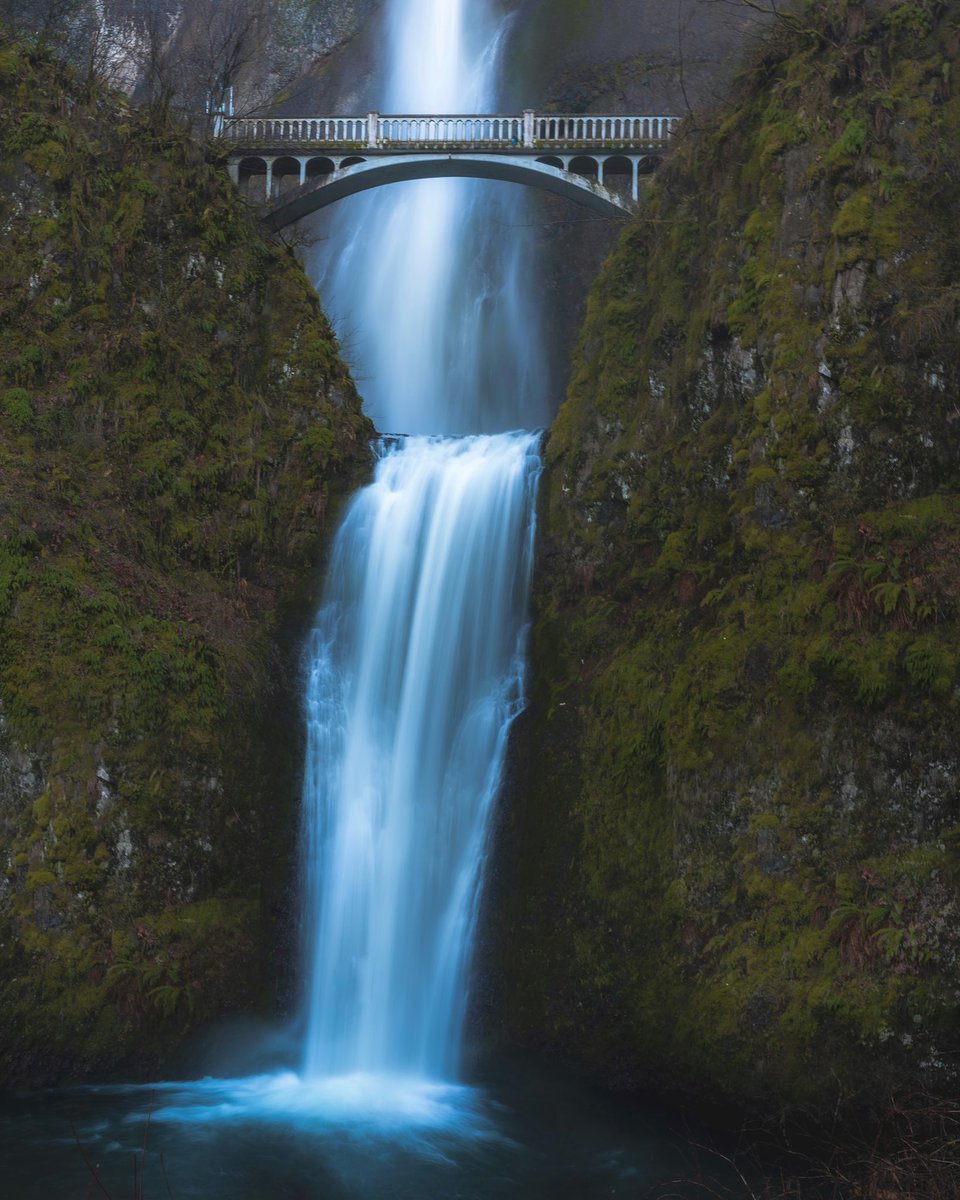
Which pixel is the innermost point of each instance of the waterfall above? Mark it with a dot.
(416, 670)
(416, 661)
(433, 284)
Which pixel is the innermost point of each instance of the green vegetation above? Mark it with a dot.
(742, 749)
(176, 427)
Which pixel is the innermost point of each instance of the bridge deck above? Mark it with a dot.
(525, 133)
(309, 162)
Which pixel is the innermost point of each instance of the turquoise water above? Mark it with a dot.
(527, 1134)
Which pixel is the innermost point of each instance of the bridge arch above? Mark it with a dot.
(358, 174)
(287, 175)
(318, 167)
(252, 173)
(585, 164)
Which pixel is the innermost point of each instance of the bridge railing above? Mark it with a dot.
(549, 130)
(528, 130)
(468, 130)
(283, 131)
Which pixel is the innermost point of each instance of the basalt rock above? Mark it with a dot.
(729, 858)
(176, 431)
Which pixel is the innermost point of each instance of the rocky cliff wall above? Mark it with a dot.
(176, 429)
(730, 857)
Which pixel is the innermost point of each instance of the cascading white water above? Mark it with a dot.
(433, 283)
(416, 663)
(416, 670)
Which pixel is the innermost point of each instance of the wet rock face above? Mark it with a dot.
(732, 850)
(176, 431)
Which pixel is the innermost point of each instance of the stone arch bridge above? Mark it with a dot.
(293, 166)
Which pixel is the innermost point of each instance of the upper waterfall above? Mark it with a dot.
(432, 283)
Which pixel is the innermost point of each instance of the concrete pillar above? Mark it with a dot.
(528, 129)
(268, 193)
(303, 171)
(373, 122)
(600, 163)
(233, 169)
(636, 178)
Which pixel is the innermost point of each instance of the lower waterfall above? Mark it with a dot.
(415, 672)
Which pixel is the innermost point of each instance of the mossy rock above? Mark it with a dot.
(177, 429)
(742, 736)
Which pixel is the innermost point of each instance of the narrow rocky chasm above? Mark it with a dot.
(729, 860)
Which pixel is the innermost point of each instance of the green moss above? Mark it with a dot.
(176, 427)
(855, 216)
(752, 662)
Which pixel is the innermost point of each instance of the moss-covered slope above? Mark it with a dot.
(734, 847)
(175, 424)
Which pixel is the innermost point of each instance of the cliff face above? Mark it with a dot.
(176, 426)
(730, 859)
